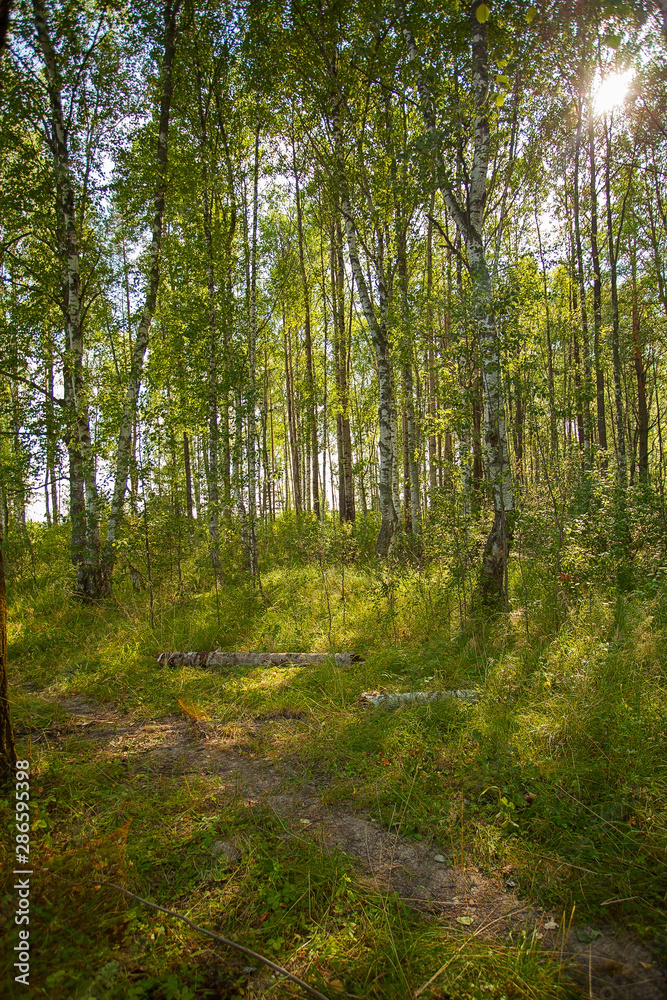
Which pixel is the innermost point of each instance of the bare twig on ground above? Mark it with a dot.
(203, 930)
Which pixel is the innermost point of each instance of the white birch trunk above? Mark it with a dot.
(471, 227)
(84, 508)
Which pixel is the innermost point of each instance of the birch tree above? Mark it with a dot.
(84, 506)
(469, 221)
(124, 448)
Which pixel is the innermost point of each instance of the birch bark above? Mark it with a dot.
(470, 224)
(84, 509)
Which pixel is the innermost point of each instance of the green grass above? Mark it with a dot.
(558, 773)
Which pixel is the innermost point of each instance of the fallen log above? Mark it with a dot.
(218, 659)
(420, 697)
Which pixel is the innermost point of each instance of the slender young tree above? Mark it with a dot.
(7, 747)
(312, 419)
(379, 331)
(597, 292)
(124, 447)
(341, 350)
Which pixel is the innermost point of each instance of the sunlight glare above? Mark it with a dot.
(612, 91)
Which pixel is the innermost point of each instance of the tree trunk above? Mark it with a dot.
(312, 415)
(213, 379)
(662, 5)
(597, 298)
(188, 476)
(640, 372)
(141, 340)
(379, 336)
(519, 428)
(252, 361)
(51, 439)
(615, 333)
(407, 506)
(579, 264)
(430, 349)
(197, 474)
(84, 513)
(477, 403)
(411, 460)
(292, 442)
(550, 359)
(470, 225)
(574, 320)
(495, 437)
(346, 506)
(7, 747)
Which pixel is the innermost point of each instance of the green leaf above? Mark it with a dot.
(504, 80)
(464, 920)
(531, 13)
(500, 100)
(502, 63)
(483, 13)
(612, 41)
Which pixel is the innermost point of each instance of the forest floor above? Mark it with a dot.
(605, 960)
(511, 848)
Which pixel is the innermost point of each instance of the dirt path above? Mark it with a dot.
(613, 966)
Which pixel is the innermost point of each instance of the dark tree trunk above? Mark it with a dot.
(291, 418)
(613, 244)
(7, 747)
(310, 376)
(640, 372)
(188, 476)
(597, 298)
(579, 265)
(346, 507)
(550, 359)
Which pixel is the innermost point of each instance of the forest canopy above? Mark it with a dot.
(402, 263)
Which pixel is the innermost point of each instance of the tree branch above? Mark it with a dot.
(32, 385)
